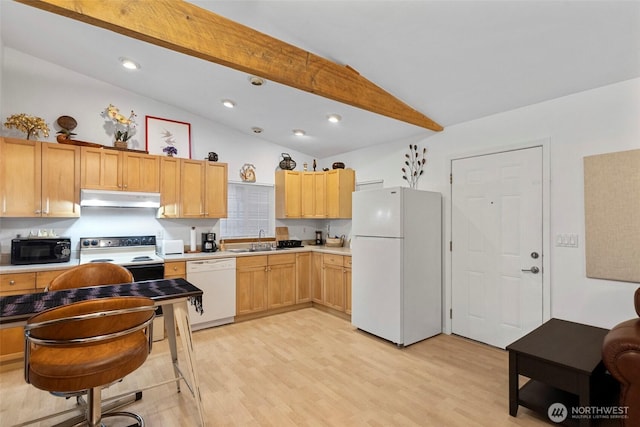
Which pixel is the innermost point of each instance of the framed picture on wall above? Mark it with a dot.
(168, 137)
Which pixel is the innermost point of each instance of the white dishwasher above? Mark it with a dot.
(217, 279)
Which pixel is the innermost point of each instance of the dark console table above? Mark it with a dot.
(564, 363)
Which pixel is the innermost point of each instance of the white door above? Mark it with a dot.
(496, 257)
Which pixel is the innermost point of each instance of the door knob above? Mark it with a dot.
(534, 270)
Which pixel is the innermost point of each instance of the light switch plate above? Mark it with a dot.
(567, 240)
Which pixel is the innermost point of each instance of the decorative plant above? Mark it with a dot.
(31, 125)
(124, 127)
(414, 164)
(170, 150)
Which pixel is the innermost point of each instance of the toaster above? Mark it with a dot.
(172, 247)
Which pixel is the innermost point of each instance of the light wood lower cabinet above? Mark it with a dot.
(265, 282)
(282, 280)
(347, 284)
(303, 277)
(333, 279)
(317, 288)
(251, 284)
(175, 270)
(12, 339)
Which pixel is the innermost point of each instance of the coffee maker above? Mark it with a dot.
(318, 237)
(209, 242)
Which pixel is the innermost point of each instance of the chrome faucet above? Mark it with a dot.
(260, 235)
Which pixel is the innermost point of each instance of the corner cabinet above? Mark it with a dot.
(203, 189)
(39, 179)
(282, 280)
(313, 197)
(107, 169)
(314, 194)
(288, 193)
(341, 183)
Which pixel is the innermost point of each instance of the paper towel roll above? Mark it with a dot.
(192, 239)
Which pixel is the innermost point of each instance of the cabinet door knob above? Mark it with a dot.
(12, 282)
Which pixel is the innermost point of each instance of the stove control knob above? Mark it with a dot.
(86, 243)
(135, 242)
(94, 243)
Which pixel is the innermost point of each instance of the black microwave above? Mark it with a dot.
(41, 250)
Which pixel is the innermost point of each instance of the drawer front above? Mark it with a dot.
(17, 282)
(282, 259)
(251, 261)
(43, 278)
(347, 261)
(332, 259)
(176, 268)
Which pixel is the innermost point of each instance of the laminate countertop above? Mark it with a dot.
(189, 256)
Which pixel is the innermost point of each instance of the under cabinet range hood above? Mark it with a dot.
(119, 199)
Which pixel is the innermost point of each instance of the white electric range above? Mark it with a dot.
(136, 253)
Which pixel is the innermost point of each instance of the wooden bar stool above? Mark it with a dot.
(87, 345)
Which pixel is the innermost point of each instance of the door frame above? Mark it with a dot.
(447, 294)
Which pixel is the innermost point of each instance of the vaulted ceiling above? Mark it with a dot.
(454, 61)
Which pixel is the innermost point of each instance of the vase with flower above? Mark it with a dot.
(123, 127)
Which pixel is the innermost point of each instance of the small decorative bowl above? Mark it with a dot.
(338, 165)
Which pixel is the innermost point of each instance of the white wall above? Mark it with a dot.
(602, 120)
(36, 87)
(597, 121)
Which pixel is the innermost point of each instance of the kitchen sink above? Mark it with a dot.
(243, 250)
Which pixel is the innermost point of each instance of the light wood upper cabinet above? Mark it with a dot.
(203, 189)
(288, 194)
(39, 179)
(341, 183)
(215, 200)
(314, 194)
(105, 169)
(140, 172)
(101, 169)
(169, 187)
(314, 202)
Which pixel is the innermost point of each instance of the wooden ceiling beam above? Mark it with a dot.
(191, 30)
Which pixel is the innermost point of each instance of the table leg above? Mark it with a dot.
(513, 383)
(170, 326)
(584, 396)
(184, 327)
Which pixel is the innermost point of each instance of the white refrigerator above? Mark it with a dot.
(396, 248)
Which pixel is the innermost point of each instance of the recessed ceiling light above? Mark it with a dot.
(228, 103)
(129, 64)
(256, 129)
(334, 118)
(299, 132)
(256, 81)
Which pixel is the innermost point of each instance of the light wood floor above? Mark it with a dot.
(309, 368)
